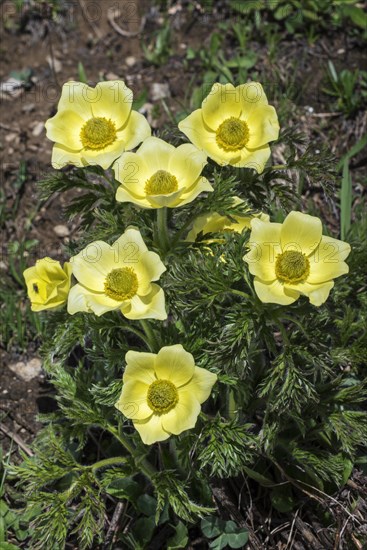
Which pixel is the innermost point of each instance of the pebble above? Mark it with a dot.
(38, 129)
(112, 76)
(159, 91)
(130, 61)
(27, 371)
(61, 231)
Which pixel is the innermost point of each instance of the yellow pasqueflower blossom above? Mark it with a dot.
(162, 392)
(159, 174)
(216, 223)
(48, 284)
(234, 125)
(95, 125)
(294, 258)
(118, 277)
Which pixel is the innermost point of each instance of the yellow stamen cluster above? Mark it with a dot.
(233, 134)
(97, 133)
(161, 183)
(292, 267)
(121, 284)
(162, 396)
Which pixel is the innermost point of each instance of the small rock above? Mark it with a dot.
(11, 88)
(55, 64)
(28, 108)
(111, 76)
(159, 91)
(61, 231)
(11, 137)
(27, 371)
(38, 129)
(130, 61)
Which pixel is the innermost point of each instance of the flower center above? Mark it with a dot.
(161, 183)
(97, 133)
(232, 134)
(121, 284)
(162, 396)
(292, 267)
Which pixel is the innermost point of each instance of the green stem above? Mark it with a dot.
(162, 228)
(146, 467)
(279, 167)
(151, 337)
(141, 335)
(108, 462)
(239, 293)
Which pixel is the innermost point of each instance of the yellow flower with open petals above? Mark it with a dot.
(294, 258)
(95, 125)
(48, 284)
(118, 277)
(216, 223)
(234, 125)
(159, 174)
(162, 393)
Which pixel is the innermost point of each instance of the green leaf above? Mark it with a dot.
(125, 488)
(179, 539)
(143, 529)
(264, 481)
(281, 498)
(147, 505)
(212, 526)
(8, 546)
(345, 200)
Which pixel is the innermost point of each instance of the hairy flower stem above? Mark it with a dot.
(163, 236)
(141, 335)
(141, 463)
(106, 462)
(150, 336)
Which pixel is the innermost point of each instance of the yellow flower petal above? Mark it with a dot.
(103, 157)
(201, 384)
(264, 245)
(64, 128)
(130, 246)
(263, 126)
(317, 293)
(253, 158)
(133, 172)
(175, 364)
(151, 306)
(274, 292)
(75, 96)
(151, 430)
(133, 400)
(200, 186)
(48, 284)
(222, 102)
(140, 366)
(62, 156)
(252, 96)
(92, 265)
(156, 153)
(77, 300)
(112, 100)
(170, 199)
(183, 416)
(300, 232)
(82, 299)
(135, 131)
(200, 135)
(327, 261)
(186, 163)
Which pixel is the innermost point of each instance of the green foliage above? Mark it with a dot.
(226, 533)
(159, 49)
(349, 89)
